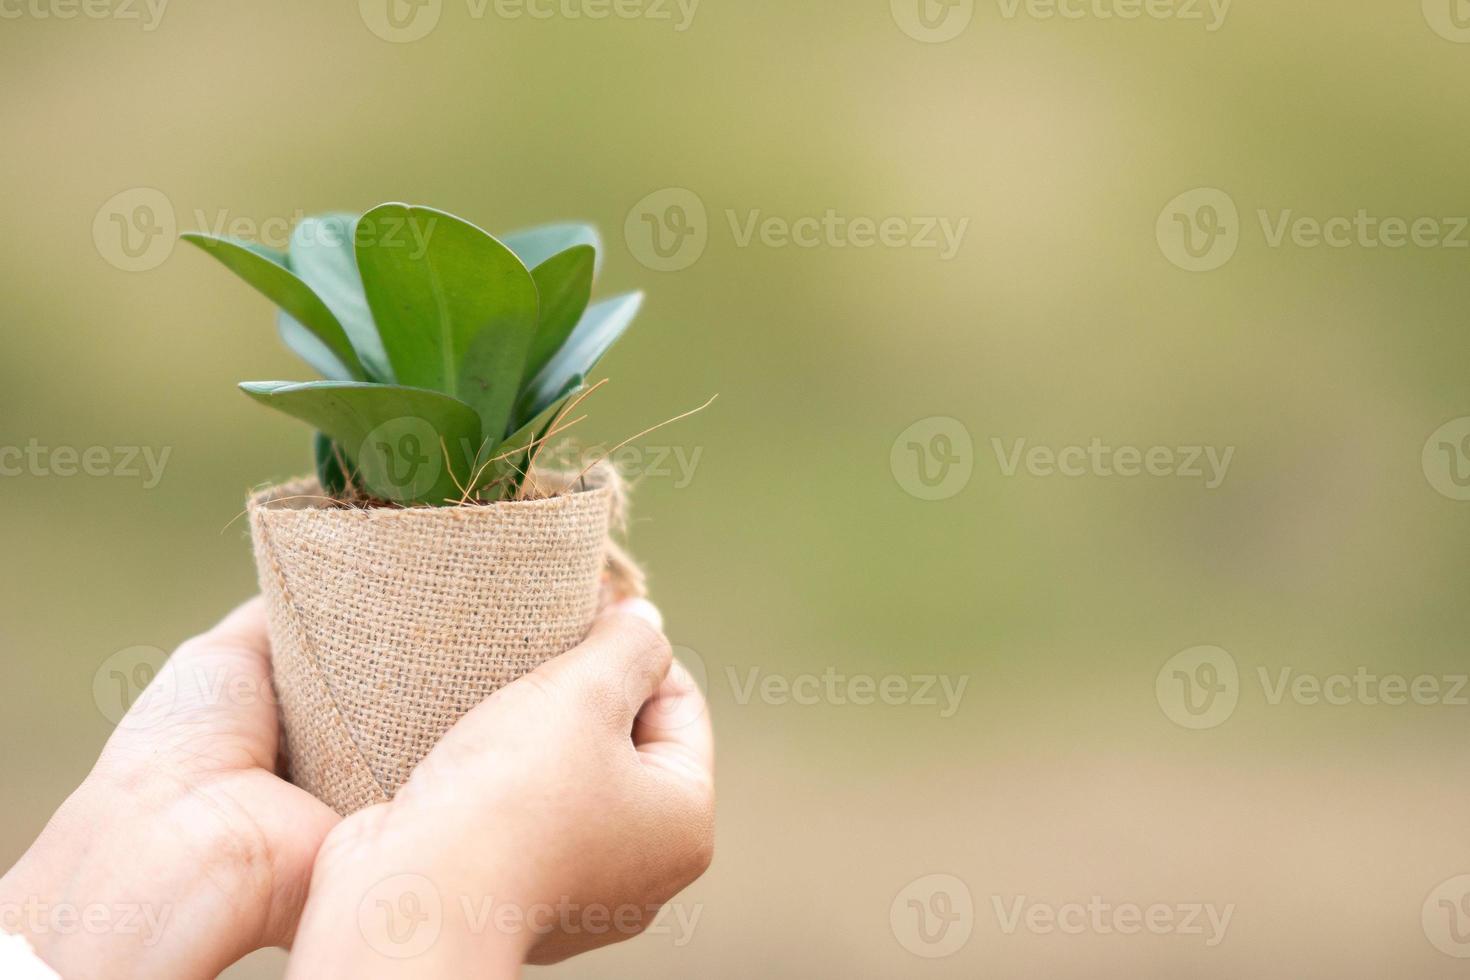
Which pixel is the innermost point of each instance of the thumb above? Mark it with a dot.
(618, 667)
(608, 676)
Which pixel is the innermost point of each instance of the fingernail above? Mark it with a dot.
(644, 610)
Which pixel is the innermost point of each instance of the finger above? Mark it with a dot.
(641, 608)
(233, 654)
(613, 671)
(242, 642)
(231, 660)
(245, 628)
(219, 682)
(606, 678)
(618, 667)
(675, 744)
(242, 634)
(673, 729)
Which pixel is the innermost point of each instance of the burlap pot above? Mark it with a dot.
(388, 624)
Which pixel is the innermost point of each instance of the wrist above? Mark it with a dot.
(385, 903)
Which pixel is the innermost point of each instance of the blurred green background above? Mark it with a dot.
(797, 545)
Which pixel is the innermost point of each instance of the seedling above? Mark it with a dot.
(447, 355)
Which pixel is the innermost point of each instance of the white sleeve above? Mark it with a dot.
(19, 962)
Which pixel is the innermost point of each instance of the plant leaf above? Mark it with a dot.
(598, 330)
(309, 347)
(323, 255)
(406, 444)
(564, 283)
(265, 269)
(536, 245)
(456, 309)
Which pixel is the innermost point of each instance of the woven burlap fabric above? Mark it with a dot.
(389, 624)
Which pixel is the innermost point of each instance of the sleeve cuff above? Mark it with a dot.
(19, 962)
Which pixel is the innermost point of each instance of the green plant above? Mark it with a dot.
(448, 354)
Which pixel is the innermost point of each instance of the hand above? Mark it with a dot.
(184, 843)
(556, 817)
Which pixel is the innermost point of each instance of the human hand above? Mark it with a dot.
(576, 801)
(184, 843)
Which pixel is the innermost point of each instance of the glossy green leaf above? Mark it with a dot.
(265, 269)
(456, 309)
(564, 283)
(405, 444)
(536, 245)
(323, 254)
(309, 347)
(264, 251)
(598, 330)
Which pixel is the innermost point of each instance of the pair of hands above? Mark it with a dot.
(556, 817)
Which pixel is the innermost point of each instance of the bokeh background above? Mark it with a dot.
(802, 543)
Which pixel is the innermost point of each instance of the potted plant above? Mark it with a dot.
(429, 561)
